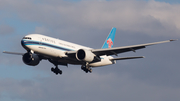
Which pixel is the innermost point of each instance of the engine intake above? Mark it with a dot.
(31, 59)
(85, 55)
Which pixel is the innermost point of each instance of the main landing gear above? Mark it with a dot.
(56, 70)
(86, 68)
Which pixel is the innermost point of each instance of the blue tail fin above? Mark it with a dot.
(110, 39)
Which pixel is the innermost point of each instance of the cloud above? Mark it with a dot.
(6, 29)
(89, 87)
(41, 30)
(88, 22)
(131, 15)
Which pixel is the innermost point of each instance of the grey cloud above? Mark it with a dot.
(135, 16)
(89, 87)
(88, 23)
(6, 29)
(13, 45)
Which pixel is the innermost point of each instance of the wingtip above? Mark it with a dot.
(173, 40)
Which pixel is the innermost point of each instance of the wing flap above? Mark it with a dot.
(117, 50)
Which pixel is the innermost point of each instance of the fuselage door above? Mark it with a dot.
(40, 41)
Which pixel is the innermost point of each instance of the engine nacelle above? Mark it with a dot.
(31, 59)
(85, 55)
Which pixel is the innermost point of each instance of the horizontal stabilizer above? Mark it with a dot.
(125, 58)
(15, 53)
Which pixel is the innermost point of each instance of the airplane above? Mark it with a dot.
(60, 52)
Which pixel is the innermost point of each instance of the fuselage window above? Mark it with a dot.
(27, 38)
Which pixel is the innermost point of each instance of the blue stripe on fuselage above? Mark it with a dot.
(30, 42)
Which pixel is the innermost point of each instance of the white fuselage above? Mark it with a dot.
(55, 48)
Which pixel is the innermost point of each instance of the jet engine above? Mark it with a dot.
(31, 59)
(85, 55)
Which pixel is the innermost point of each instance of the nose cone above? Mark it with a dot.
(23, 43)
(25, 40)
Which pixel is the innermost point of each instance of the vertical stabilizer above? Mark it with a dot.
(110, 39)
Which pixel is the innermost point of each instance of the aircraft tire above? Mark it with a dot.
(60, 72)
(52, 69)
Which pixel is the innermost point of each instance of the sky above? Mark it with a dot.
(88, 22)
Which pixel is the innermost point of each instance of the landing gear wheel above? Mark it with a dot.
(90, 70)
(56, 73)
(52, 69)
(56, 70)
(60, 72)
(86, 69)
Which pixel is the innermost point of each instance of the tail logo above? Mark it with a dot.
(110, 43)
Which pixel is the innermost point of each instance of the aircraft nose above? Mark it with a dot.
(22, 43)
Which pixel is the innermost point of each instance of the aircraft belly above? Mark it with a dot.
(104, 61)
(69, 61)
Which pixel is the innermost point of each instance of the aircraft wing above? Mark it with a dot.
(117, 50)
(15, 53)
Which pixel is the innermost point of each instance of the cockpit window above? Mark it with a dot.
(27, 38)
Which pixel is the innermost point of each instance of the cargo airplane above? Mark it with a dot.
(60, 52)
